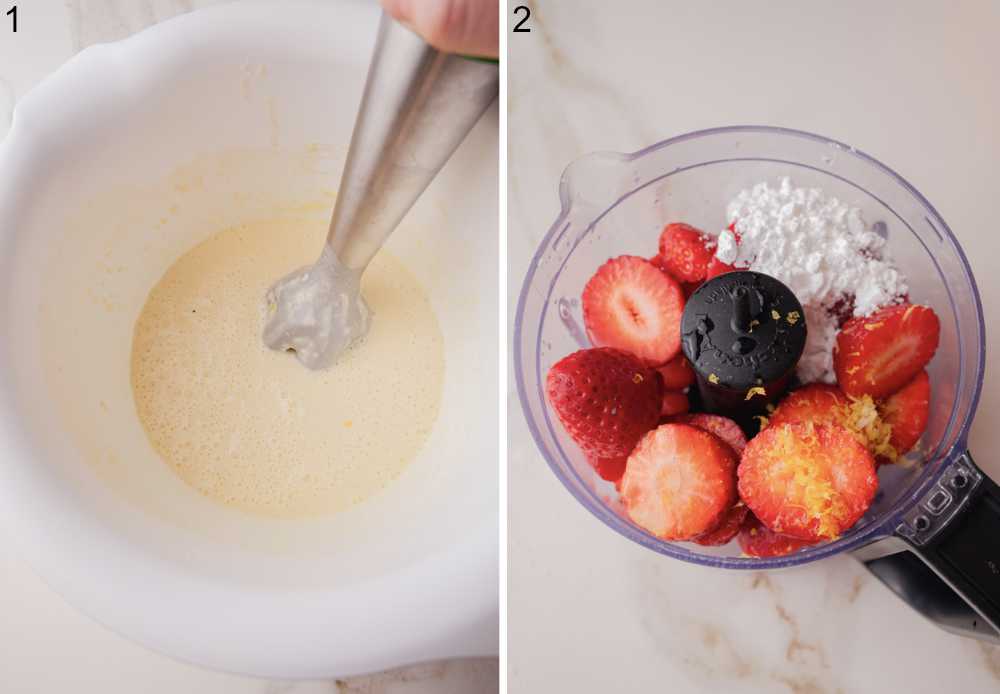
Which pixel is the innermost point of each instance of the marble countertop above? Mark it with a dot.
(913, 83)
(46, 645)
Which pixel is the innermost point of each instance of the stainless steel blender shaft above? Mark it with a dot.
(418, 106)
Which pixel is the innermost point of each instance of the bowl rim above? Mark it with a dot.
(874, 531)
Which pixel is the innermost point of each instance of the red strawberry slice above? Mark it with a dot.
(809, 481)
(679, 481)
(723, 427)
(677, 373)
(686, 252)
(906, 411)
(727, 530)
(610, 469)
(674, 403)
(817, 403)
(605, 398)
(756, 540)
(881, 353)
(630, 305)
(716, 267)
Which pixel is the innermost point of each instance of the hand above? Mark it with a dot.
(469, 27)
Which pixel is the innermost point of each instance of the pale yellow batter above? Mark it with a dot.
(253, 428)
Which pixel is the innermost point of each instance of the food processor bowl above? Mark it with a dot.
(614, 204)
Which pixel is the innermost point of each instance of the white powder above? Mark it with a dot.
(822, 250)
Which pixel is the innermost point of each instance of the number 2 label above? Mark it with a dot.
(519, 28)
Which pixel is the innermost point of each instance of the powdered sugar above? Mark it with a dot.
(822, 250)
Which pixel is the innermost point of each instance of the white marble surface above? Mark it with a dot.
(913, 83)
(45, 644)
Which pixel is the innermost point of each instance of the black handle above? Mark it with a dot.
(949, 566)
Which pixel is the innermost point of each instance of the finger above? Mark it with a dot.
(470, 27)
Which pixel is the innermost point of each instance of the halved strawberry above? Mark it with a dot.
(674, 403)
(756, 540)
(630, 305)
(679, 481)
(677, 373)
(728, 528)
(809, 481)
(716, 267)
(906, 411)
(723, 427)
(686, 252)
(879, 354)
(610, 469)
(605, 398)
(818, 403)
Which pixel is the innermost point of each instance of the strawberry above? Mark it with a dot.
(817, 403)
(756, 540)
(674, 403)
(723, 427)
(728, 528)
(906, 411)
(689, 288)
(605, 398)
(677, 373)
(657, 262)
(686, 252)
(630, 305)
(679, 482)
(610, 469)
(716, 267)
(809, 481)
(879, 354)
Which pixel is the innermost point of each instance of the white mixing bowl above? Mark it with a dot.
(129, 155)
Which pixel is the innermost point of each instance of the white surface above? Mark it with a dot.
(912, 83)
(39, 628)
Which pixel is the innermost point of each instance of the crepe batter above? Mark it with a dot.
(249, 427)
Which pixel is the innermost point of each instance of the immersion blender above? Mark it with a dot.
(417, 107)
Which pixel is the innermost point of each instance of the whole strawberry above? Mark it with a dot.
(605, 398)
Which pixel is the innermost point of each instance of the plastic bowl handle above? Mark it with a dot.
(943, 557)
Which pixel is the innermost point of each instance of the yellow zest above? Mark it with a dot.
(756, 390)
(874, 326)
(793, 317)
(712, 378)
(637, 378)
(795, 461)
(775, 315)
(861, 417)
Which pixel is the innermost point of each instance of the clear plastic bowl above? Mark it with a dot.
(617, 203)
